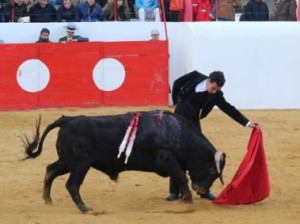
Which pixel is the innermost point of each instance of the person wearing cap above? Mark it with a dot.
(70, 37)
(44, 36)
(154, 35)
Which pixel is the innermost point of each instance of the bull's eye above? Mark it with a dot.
(212, 170)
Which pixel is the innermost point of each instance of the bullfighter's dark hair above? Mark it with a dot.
(45, 30)
(217, 77)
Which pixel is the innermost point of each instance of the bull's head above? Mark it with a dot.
(205, 175)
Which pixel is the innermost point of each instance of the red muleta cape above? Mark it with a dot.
(251, 181)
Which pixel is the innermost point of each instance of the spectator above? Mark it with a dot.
(175, 8)
(44, 36)
(123, 11)
(147, 10)
(131, 7)
(89, 11)
(255, 10)
(2, 4)
(226, 9)
(284, 10)
(29, 4)
(70, 37)
(154, 35)
(42, 12)
(19, 8)
(67, 12)
(203, 10)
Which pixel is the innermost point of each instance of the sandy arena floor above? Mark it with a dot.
(139, 197)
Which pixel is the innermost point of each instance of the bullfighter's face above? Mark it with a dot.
(212, 87)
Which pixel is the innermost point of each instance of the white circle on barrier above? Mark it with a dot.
(33, 75)
(108, 74)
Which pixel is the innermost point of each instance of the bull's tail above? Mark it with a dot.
(34, 148)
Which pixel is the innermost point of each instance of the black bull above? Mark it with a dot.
(165, 143)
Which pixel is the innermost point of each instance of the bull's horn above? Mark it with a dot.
(221, 179)
(218, 157)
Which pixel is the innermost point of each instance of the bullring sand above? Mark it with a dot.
(138, 197)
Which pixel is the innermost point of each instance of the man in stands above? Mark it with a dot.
(44, 36)
(89, 11)
(42, 12)
(70, 37)
(154, 35)
(226, 9)
(18, 8)
(147, 10)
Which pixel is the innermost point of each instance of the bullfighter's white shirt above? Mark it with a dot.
(201, 87)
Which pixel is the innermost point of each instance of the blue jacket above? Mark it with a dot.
(88, 14)
(152, 4)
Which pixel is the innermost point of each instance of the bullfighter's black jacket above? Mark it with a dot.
(193, 105)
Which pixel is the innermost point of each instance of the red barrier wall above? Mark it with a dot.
(63, 75)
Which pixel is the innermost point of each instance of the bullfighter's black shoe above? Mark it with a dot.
(172, 197)
(208, 196)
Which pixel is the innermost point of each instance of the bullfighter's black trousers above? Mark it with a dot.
(174, 188)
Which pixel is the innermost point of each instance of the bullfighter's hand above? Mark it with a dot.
(253, 125)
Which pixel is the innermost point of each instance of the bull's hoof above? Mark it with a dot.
(85, 210)
(48, 201)
(172, 197)
(208, 196)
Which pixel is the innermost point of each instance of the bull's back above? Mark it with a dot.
(87, 136)
(99, 138)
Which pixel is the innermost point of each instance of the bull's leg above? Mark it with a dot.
(76, 178)
(167, 163)
(52, 171)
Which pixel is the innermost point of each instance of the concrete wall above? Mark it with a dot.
(260, 60)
